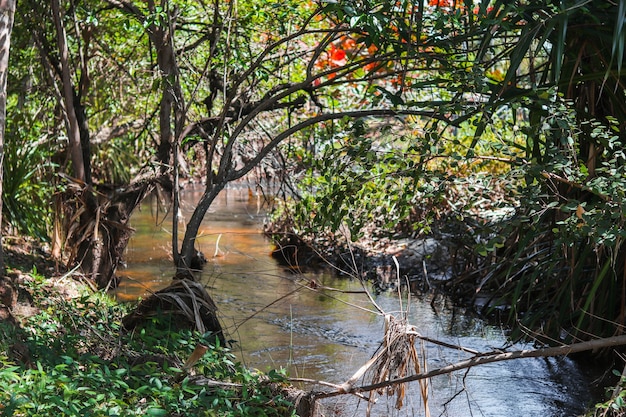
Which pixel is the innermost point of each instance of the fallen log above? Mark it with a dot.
(481, 359)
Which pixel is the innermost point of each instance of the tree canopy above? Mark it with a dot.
(385, 112)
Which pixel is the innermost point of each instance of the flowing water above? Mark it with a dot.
(279, 320)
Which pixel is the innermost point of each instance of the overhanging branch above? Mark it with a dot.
(355, 114)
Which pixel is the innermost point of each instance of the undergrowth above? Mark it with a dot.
(615, 403)
(73, 358)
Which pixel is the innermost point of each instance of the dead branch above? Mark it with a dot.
(582, 187)
(484, 358)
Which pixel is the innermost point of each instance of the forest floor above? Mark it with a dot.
(22, 257)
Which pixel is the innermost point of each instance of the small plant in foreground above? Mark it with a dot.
(616, 405)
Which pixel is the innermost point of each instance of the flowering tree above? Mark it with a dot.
(322, 57)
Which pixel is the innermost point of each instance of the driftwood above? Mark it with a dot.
(396, 358)
(390, 368)
(480, 359)
(396, 363)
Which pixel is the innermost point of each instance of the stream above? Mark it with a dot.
(278, 320)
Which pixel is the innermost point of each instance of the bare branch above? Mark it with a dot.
(489, 357)
(355, 114)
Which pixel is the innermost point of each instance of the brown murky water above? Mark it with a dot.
(278, 321)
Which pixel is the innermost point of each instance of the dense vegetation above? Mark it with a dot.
(518, 134)
(498, 123)
(74, 358)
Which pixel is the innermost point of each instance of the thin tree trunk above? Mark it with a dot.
(7, 11)
(188, 248)
(171, 112)
(73, 133)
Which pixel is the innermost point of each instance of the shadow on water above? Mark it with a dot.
(329, 335)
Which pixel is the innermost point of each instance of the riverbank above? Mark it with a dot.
(312, 325)
(559, 371)
(64, 351)
(438, 264)
(421, 263)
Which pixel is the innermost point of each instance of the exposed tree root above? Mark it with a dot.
(185, 299)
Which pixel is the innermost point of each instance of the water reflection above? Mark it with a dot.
(279, 321)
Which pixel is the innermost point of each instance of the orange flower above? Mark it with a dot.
(396, 81)
(440, 3)
(337, 56)
(477, 9)
(348, 43)
(370, 66)
(322, 62)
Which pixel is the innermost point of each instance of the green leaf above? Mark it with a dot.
(156, 412)
(618, 38)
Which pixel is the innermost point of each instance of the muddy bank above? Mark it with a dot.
(422, 263)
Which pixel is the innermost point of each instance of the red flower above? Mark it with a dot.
(337, 56)
(440, 3)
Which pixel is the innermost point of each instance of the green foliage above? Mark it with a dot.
(27, 188)
(545, 130)
(114, 161)
(427, 98)
(80, 362)
(616, 405)
(558, 262)
(398, 178)
(359, 178)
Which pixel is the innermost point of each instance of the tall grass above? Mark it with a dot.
(27, 187)
(558, 265)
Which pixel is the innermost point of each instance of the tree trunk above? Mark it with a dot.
(186, 264)
(99, 222)
(85, 137)
(7, 11)
(73, 130)
(98, 245)
(114, 232)
(171, 111)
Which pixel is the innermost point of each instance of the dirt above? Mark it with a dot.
(25, 259)
(420, 262)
